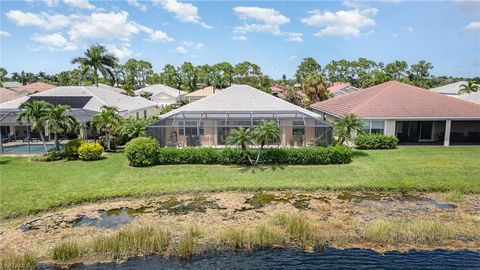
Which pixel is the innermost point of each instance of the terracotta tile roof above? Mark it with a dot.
(395, 99)
(278, 89)
(337, 86)
(203, 92)
(7, 95)
(35, 87)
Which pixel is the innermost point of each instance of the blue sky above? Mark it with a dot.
(46, 34)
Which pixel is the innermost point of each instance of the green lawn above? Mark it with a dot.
(27, 186)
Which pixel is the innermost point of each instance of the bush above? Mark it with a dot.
(297, 156)
(71, 149)
(90, 151)
(376, 141)
(142, 152)
(51, 155)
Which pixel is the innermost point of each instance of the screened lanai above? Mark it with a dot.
(208, 122)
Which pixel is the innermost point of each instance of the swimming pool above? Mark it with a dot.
(25, 149)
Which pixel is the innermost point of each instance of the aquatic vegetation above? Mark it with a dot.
(301, 229)
(455, 196)
(268, 236)
(16, 261)
(407, 231)
(186, 246)
(236, 239)
(67, 251)
(132, 242)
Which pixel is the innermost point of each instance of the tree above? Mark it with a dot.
(419, 73)
(133, 128)
(315, 88)
(107, 122)
(469, 87)
(135, 72)
(35, 112)
(57, 121)
(345, 128)
(188, 75)
(3, 74)
(242, 137)
(128, 90)
(222, 75)
(396, 70)
(97, 59)
(307, 67)
(170, 77)
(146, 95)
(293, 96)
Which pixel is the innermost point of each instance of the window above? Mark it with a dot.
(374, 126)
(298, 132)
(189, 128)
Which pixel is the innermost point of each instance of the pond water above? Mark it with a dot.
(296, 259)
(109, 218)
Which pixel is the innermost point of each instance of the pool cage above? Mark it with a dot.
(211, 128)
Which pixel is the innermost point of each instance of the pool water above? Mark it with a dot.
(25, 149)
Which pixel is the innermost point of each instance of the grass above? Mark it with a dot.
(455, 196)
(67, 251)
(18, 261)
(28, 187)
(301, 229)
(407, 231)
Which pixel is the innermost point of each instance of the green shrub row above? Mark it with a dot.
(143, 152)
(376, 141)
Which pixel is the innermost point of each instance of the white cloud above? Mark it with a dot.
(120, 53)
(113, 25)
(135, 3)
(5, 34)
(240, 38)
(473, 26)
(409, 29)
(347, 23)
(160, 36)
(295, 37)
(267, 20)
(42, 20)
(181, 50)
(51, 3)
(184, 12)
(292, 57)
(55, 42)
(84, 4)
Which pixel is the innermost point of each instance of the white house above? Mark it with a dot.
(162, 94)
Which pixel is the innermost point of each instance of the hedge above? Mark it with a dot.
(71, 149)
(142, 152)
(376, 141)
(294, 156)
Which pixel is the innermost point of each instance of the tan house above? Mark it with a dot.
(201, 93)
(413, 114)
(208, 121)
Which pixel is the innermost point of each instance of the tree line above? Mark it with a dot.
(310, 77)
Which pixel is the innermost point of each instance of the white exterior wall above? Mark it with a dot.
(151, 111)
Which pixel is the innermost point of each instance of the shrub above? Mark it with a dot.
(71, 149)
(90, 151)
(142, 152)
(298, 156)
(376, 141)
(51, 155)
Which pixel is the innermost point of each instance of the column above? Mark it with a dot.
(448, 126)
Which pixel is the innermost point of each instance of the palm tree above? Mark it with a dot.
(242, 137)
(128, 90)
(469, 87)
(97, 59)
(57, 121)
(345, 127)
(315, 88)
(133, 128)
(266, 132)
(34, 112)
(107, 122)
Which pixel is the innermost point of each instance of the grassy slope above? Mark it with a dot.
(27, 186)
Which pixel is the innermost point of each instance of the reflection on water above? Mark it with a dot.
(110, 219)
(296, 259)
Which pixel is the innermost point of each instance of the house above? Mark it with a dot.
(449, 89)
(8, 94)
(339, 88)
(201, 93)
(162, 94)
(208, 121)
(85, 102)
(278, 90)
(414, 115)
(11, 85)
(33, 88)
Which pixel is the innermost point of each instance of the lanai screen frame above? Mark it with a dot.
(155, 129)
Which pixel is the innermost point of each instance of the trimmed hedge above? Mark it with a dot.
(90, 151)
(71, 149)
(376, 141)
(294, 156)
(142, 152)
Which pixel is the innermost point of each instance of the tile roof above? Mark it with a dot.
(472, 97)
(7, 95)
(156, 89)
(97, 97)
(11, 84)
(35, 87)
(449, 89)
(241, 98)
(209, 90)
(337, 86)
(395, 99)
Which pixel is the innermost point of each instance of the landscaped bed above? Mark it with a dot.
(28, 187)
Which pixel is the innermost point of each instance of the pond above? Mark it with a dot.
(296, 259)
